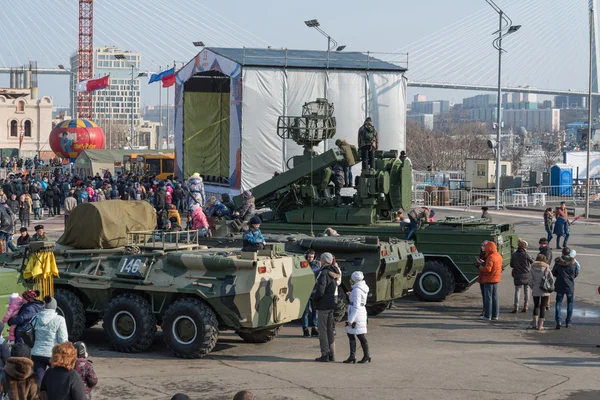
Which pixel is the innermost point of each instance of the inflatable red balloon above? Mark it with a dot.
(71, 137)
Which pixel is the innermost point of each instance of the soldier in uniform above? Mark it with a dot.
(39, 235)
(368, 141)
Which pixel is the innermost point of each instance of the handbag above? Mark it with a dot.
(547, 284)
(28, 335)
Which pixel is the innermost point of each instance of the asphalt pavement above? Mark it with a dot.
(419, 350)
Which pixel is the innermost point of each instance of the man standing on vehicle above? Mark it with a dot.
(417, 217)
(324, 299)
(368, 142)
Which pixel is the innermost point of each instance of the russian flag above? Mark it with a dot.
(161, 75)
(93, 84)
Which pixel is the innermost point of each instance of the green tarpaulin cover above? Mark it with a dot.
(104, 224)
(206, 133)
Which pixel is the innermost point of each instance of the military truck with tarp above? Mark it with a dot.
(301, 200)
(390, 266)
(113, 267)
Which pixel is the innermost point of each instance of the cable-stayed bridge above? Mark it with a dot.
(549, 55)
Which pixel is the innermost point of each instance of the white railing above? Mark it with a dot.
(536, 197)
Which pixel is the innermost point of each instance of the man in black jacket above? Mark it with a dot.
(324, 299)
(565, 270)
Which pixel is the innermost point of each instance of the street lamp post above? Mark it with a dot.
(313, 23)
(141, 74)
(72, 90)
(505, 28)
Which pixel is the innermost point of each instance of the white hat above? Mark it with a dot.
(357, 276)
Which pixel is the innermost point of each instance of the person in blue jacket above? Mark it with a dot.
(31, 307)
(252, 238)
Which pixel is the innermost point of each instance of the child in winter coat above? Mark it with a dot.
(15, 302)
(174, 213)
(37, 205)
(85, 369)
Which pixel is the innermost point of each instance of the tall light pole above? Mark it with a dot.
(122, 57)
(313, 23)
(72, 91)
(590, 106)
(505, 28)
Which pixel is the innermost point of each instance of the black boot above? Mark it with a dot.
(314, 332)
(331, 357)
(352, 358)
(365, 346)
(324, 358)
(306, 334)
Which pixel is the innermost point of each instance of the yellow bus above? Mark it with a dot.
(160, 164)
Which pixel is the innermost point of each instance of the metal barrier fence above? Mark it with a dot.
(537, 197)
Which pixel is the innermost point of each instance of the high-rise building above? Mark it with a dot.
(566, 102)
(480, 101)
(117, 103)
(436, 107)
(542, 120)
(420, 98)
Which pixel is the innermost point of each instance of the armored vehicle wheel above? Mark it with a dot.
(129, 323)
(260, 336)
(190, 328)
(341, 308)
(71, 308)
(435, 283)
(377, 309)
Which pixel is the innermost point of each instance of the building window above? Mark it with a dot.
(21, 106)
(13, 128)
(28, 128)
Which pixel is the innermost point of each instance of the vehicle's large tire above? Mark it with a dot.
(377, 309)
(435, 283)
(190, 328)
(260, 336)
(71, 308)
(129, 323)
(341, 309)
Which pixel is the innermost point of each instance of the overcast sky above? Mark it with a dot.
(446, 40)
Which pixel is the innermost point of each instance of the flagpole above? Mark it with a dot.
(160, 126)
(169, 112)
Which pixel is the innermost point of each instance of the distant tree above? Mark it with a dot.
(445, 151)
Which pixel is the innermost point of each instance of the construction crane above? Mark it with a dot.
(85, 56)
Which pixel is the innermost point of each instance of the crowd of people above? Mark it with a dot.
(27, 198)
(38, 362)
(534, 279)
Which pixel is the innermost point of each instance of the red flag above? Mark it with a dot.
(168, 80)
(97, 84)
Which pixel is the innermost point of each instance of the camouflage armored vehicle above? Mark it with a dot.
(390, 266)
(301, 200)
(136, 280)
(8, 284)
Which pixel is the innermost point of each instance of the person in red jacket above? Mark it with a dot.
(489, 276)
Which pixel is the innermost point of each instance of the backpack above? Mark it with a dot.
(367, 135)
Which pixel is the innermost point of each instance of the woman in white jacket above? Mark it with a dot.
(356, 325)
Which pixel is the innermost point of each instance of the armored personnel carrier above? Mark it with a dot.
(390, 265)
(135, 281)
(301, 200)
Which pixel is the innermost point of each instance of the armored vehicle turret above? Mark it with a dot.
(302, 200)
